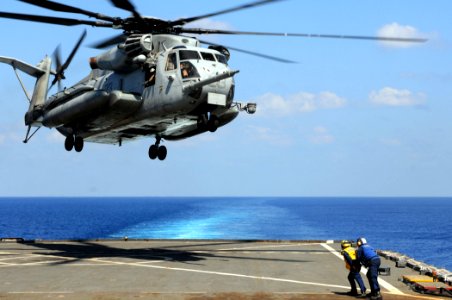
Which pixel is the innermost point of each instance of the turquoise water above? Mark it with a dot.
(418, 227)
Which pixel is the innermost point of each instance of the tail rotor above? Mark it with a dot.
(60, 68)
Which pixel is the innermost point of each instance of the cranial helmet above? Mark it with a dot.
(345, 244)
(361, 241)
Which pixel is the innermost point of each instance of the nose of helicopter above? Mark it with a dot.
(219, 82)
(218, 89)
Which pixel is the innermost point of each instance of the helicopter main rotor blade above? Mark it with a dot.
(66, 8)
(278, 59)
(128, 6)
(333, 36)
(54, 20)
(71, 56)
(221, 12)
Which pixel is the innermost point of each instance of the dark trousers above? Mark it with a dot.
(372, 275)
(352, 276)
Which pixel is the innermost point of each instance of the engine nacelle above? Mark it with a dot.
(222, 50)
(126, 57)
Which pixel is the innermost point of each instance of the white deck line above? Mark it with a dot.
(264, 246)
(222, 274)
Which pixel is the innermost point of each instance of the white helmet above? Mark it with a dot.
(361, 241)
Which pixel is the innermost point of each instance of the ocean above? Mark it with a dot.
(418, 227)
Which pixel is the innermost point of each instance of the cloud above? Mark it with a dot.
(298, 103)
(269, 135)
(11, 132)
(8, 137)
(210, 24)
(399, 31)
(393, 97)
(321, 135)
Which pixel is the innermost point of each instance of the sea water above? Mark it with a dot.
(418, 227)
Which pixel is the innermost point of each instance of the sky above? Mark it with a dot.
(350, 118)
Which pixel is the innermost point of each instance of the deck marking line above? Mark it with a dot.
(151, 262)
(37, 292)
(265, 246)
(31, 256)
(225, 274)
(392, 289)
(40, 262)
(16, 257)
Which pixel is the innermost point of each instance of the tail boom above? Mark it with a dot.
(42, 72)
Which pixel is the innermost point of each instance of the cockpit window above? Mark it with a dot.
(171, 63)
(207, 56)
(221, 58)
(188, 54)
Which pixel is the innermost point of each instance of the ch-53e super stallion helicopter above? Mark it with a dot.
(155, 82)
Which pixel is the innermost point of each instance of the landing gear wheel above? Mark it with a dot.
(78, 144)
(162, 152)
(153, 151)
(157, 151)
(69, 142)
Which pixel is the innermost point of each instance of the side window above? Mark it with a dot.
(188, 70)
(171, 63)
(221, 58)
(149, 76)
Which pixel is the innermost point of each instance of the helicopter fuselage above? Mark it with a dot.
(173, 93)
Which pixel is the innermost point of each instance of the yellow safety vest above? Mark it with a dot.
(352, 253)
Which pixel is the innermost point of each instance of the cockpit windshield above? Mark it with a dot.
(195, 55)
(207, 56)
(188, 55)
(187, 66)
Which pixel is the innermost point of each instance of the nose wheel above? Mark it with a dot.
(157, 151)
(73, 142)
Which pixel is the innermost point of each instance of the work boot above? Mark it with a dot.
(376, 296)
(362, 295)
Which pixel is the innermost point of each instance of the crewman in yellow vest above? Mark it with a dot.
(353, 265)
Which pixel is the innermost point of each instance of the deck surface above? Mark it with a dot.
(176, 269)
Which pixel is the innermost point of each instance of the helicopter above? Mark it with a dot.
(155, 80)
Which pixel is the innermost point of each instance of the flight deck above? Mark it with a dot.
(183, 269)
